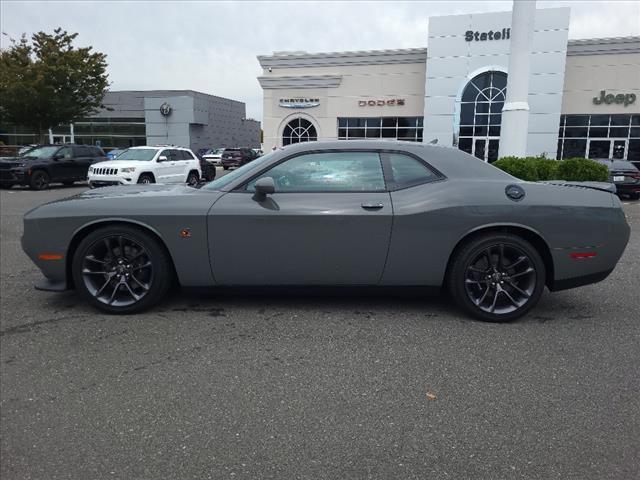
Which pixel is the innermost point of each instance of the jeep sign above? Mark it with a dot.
(609, 98)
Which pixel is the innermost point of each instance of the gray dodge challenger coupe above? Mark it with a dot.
(344, 213)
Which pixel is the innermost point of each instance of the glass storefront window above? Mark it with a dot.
(598, 136)
(401, 128)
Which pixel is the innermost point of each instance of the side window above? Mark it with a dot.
(175, 155)
(81, 152)
(65, 152)
(186, 155)
(165, 153)
(327, 172)
(408, 171)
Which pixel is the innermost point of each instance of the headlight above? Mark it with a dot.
(90, 169)
(128, 169)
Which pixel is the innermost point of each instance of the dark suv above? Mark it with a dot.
(625, 176)
(47, 164)
(235, 157)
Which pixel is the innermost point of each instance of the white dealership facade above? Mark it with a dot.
(583, 94)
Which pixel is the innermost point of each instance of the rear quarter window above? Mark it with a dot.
(407, 171)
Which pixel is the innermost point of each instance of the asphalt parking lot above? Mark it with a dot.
(314, 387)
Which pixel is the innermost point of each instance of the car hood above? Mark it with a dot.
(120, 164)
(153, 189)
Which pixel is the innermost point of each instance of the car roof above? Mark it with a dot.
(451, 161)
(617, 164)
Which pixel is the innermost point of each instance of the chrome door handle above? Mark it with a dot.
(372, 206)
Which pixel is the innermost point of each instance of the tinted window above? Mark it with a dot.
(185, 155)
(408, 171)
(328, 172)
(65, 152)
(81, 152)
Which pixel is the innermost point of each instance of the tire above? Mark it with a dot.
(39, 180)
(495, 290)
(634, 196)
(145, 270)
(146, 178)
(193, 178)
(6, 186)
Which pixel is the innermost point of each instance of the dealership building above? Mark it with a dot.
(583, 94)
(151, 117)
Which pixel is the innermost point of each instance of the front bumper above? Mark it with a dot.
(96, 181)
(13, 176)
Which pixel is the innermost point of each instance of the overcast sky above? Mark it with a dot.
(212, 46)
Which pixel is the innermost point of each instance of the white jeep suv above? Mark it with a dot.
(161, 164)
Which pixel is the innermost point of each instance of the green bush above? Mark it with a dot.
(533, 169)
(582, 170)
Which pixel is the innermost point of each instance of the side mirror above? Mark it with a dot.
(58, 156)
(162, 158)
(264, 186)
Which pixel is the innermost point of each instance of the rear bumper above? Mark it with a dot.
(579, 281)
(626, 188)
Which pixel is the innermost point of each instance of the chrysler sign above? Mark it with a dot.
(299, 102)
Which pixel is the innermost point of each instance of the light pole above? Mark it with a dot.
(515, 113)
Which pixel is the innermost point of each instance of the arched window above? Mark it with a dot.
(299, 130)
(481, 115)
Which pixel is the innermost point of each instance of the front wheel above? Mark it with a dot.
(497, 277)
(39, 180)
(146, 178)
(121, 269)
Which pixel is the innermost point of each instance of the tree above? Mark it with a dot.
(46, 82)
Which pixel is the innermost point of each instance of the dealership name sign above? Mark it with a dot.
(299, 102)
(381, 103)
(619, 98)
(504, 34)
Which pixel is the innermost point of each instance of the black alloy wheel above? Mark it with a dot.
(39, 180)
(121, 269)
(497, 277)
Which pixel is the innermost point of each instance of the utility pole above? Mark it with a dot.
(515, 113)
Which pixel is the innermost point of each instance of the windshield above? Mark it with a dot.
(138, 154)
(222, 182)
(41, 152)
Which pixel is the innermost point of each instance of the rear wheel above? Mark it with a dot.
(146, 178)
(225, 167)
(634, 196)
(193, 178)
(121, 269)
(39, 180)
(497, 277)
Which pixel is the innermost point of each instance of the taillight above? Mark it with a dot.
(582, 255)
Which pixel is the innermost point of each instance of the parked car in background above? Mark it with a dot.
(214, 156)
(624, 175)
(48, 164)
(342, 213)
(160, 164)
(636, 163)
(257, 152)
(236, 157)
(208, 170)
(111, 154)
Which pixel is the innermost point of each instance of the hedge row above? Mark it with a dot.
(534, 169)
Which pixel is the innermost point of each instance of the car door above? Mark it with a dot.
(62, 165)
(163, 170)
(82, 158)
(185, 162)
(328, 223)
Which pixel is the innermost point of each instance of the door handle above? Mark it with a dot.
(372, 206)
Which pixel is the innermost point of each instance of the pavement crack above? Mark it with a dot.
(33, 326)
